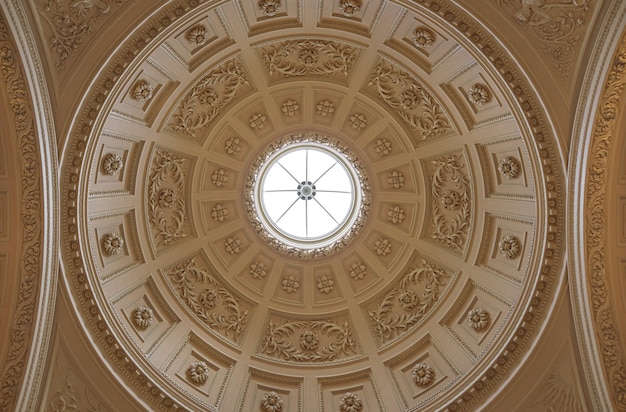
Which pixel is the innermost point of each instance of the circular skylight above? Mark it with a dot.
(307, 194)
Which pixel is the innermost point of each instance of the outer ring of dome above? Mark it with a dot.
(329, 244)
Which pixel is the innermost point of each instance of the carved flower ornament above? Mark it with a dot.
(232, 145)
(219, 212)
(197, 36)
(408, 299)
(112, 164)
(358, 271)
(409, 99)
(309, 340)
(290, 108)
(383, 247)
(272, 402)
(396, 179)
(451, 200)
(198, 372)
(112, 244)
(325, 108)
(219, 177)
(509, 247)
(423, 37)
(257, 270)
(143, 316)
(208, 298)
(209, 97)
(478, 95)
(269, 7)
(478, 318)
(167, 198)
(349, 8)
(290, 284)
(422, 374)
(383, 147)
(325, 284)
(395, 215)
(308, 56)
(509, 167)
(143, 91)
(350, 403)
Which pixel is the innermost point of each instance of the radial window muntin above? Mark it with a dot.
(334, 171)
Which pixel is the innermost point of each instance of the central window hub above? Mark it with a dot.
(307, 195)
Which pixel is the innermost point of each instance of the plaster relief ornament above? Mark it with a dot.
(509, 247)
(269, 7)
(167, 198)
(290, 108)
(557, 25)
(396, 179)
(422, 37)
(478, 318)
(308, 57)
(358, 271)
(308, 341)
(143, 91)
(70, 26)
(198, 372)
(358, 121)
(411, 101)
(478, 95)
(290, 284)
(509, 167)
(349, 8)
(257, 121)
(232, 245)
(422, 374)
(257, 270)
(417, 293)
(219, 212)
(219, 177)
(383, 247)
(232, 145)
(451, 199)
(112, 164)
(395, 215)
(112, 243)
(350, 403)
(197, 36)
(383, 147)
(166, 205)
(211, 93)
(272, 402)
(325, 108)
(408, 300)
(325, 284)
(143, 317)
(451, 209)
(207, 299)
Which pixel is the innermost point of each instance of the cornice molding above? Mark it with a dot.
(595, 321)
(23, 78)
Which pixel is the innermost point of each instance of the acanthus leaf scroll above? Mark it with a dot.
(204, 101)
(404, 306)
(411, 101)
(211, 302)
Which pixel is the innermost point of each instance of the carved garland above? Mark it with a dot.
(203, 103)
(402, 307)
(166, 204)
(411, 101)
(450, 202)
(31, 206)
(300, 57)
(596, 223)
(300, 341)
(207, 299)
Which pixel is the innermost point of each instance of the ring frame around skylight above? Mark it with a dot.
(290, 240)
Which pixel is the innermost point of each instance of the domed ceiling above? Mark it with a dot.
(438, 285)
